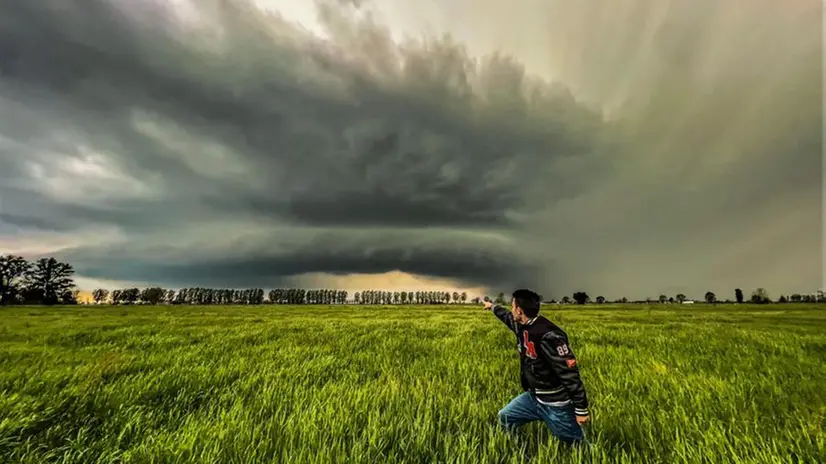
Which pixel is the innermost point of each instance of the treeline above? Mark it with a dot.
(758, 296)
(226, 296)
(419, 297)
(292, 296)
(48, 281)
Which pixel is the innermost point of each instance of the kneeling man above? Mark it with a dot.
(553, 390)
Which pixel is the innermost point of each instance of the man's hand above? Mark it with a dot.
(582, 420)
(488, 304)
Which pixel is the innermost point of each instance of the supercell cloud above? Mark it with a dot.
(631, 149)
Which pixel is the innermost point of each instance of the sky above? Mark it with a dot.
(619, 147)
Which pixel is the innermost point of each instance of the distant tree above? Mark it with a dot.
(100, 295)
(566, 300)
(13, 271)
(131, 295)
(500, 298)
(623, 300)
(738, 295)
(663, 299)
(680, 298)
(463, 297)
(760, 296)
(581, 297)
(782, 299)
(796, 298)
(69, 297)
(711, 298)
(600, 299)
(50, 280)
(476, 300)
(456, 297)
(154, 295)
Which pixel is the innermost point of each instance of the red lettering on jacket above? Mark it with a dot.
(530, 351)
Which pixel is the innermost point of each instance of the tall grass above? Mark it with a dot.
(401, 384)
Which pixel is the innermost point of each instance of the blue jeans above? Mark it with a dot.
(560, 419)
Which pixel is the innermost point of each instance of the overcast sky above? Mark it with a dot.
(621, 147)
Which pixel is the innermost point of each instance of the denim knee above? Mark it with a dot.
(503, 419)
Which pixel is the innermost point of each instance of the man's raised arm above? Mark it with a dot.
(502, 314)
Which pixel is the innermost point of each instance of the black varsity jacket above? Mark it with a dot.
(548, 366)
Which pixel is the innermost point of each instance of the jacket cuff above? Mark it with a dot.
(581, 411)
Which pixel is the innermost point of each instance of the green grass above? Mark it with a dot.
(421, 385)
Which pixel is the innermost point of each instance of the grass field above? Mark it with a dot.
(402, 384)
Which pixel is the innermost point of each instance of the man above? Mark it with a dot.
(553, 390)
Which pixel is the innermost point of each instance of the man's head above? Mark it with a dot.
(524, 305)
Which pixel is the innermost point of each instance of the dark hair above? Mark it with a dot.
(528, 301)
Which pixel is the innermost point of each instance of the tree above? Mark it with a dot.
(782, 299)
(463, 297)
(50, 281)
(69, 297)
(155, 295)
(455, 297)
(738, 295)
(13, 270)
(663, 299)
(500, 298)
(600, 299)
(680, 298)
(671, 299)
(760, 296)
(796, 298)
(566, 300)
(581, 297)
(100, 295)
(711, 298)
(131, 295)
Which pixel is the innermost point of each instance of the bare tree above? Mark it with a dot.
(100, 295)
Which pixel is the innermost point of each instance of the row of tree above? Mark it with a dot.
(48, 281)
(297, 296)
(205, 296)
(758, 296)
(420, 297)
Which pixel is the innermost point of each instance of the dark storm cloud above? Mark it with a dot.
(401, 149)
(448, 255)
(250, 151)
